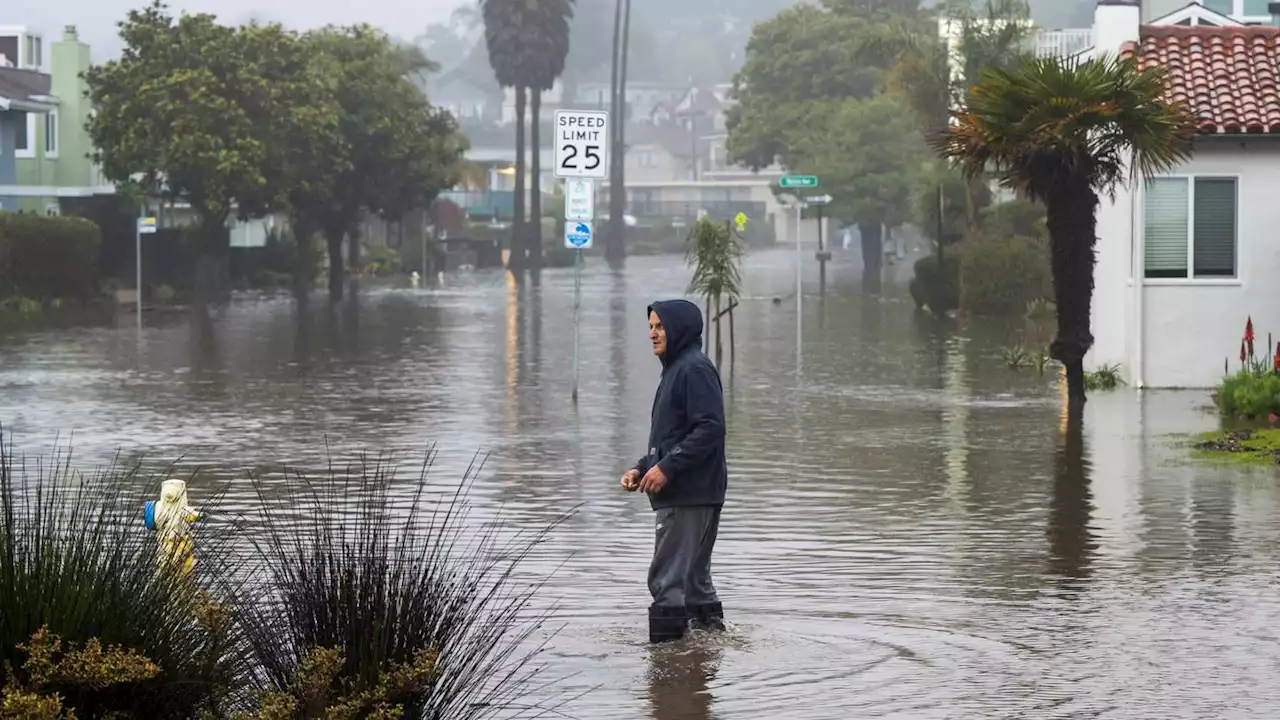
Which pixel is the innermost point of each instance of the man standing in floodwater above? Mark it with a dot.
(684, 473)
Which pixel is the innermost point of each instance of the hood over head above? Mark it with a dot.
(683, 322)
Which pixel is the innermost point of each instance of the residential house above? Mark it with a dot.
(1185, 257)
(57, 163)
(24, 100)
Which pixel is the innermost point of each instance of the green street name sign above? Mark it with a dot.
(799, 181)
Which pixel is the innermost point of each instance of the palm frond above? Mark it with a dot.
(1043, 120)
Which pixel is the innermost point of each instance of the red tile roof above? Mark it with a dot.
(1228, 78)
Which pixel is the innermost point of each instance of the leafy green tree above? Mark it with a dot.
(1062, 133)
(189, 110)
(867, 159)
(397, 151)
(805, 53)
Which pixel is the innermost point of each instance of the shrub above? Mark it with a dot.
(75, 563)
(1000, 275)
(384, 584)
(937, 290)
(48, 257)
(1022, 218)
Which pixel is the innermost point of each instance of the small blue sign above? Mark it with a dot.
(577, 234)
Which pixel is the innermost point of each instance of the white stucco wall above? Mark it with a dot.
(1190, 326)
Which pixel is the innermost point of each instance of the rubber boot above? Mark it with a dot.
(709, 617)
(667, 623)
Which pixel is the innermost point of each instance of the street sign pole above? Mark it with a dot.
(137, 258)
(581, 157)
(143, 226)
(577, 312)
(799, 296)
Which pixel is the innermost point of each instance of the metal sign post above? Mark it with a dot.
(581, 157)
(146, 226)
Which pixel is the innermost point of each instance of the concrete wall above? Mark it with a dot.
(1191, 326)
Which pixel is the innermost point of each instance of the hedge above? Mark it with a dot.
(43, 258)
(999, 276)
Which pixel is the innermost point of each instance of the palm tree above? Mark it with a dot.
(504, 38)
(548, 36)
(1061, 133)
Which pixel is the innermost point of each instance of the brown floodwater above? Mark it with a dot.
(912, 531)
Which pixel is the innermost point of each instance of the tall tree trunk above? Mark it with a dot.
(615, 242)
(353, 257)
(304, 257)
(535, 194)
(337, 271)
(517, 261)
(1070, 214)
(872, 255)
(719, 345)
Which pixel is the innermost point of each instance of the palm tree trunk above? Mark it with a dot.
(535, 194)
(516, 261)
(1072, 235)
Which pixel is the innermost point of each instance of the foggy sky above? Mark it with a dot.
(96, 19)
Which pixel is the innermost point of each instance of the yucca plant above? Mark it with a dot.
(384, 574)
(715, 254)
(77, 562)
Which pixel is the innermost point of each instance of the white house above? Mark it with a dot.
(1185, 257)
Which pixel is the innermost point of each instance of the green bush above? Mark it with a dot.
(1000, 275)
(48, 257)
(1249, 394)
(1017, 217)
(934, 288)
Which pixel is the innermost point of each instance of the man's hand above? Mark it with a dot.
(631, 480)
(654, 480)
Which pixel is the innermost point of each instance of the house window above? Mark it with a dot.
(1226, 7)
(51, 135)
(1256, 7)
(25, 137)
(1190, 227)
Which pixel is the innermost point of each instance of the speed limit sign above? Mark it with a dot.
(582, 144)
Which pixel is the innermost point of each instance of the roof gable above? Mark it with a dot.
(1195, 14)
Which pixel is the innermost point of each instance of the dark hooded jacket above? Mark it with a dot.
(686, 434)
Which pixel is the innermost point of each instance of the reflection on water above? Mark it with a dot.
(913, 530)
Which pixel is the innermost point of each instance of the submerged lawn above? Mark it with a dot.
(1251, 447)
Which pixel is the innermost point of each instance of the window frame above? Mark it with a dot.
(51, 132)
(29, 151)
(1191, 279)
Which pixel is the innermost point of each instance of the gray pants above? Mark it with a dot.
(680, 573)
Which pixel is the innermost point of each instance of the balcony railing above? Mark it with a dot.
(1062, 43)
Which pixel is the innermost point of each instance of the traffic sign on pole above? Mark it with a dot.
(582, 144)
(577, 234)
(579, 200)
(799, 181)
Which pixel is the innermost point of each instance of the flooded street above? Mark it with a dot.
(912, 529)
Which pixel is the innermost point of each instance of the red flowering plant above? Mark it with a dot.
(1253, 391)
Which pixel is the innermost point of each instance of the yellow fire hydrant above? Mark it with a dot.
(171, 518)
